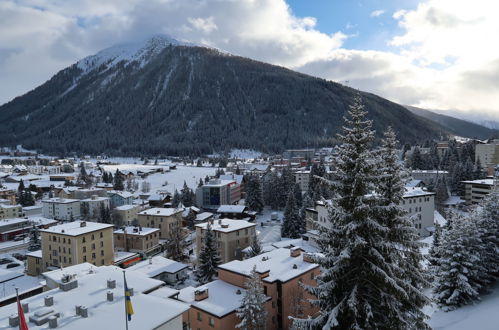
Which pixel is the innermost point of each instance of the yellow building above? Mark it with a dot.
(128, 213)
(165, 219)
(11, 211)
(76, 242)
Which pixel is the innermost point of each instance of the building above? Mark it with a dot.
(165, 219)
(300, 153)
(234, 212)
(420, 206)
(12, 227)
(120, 198)
(128, 213)
(428, 176)
(11, 211)
(34, 265)
(487, 154)
(163, 269)
(61, 209)
(35, 210)
(232, 237)
(476, 190)
(218, 192)
(282, 271)
(8, 194)
(137, 239)
(87, 193)
(87, 297)
(303, 179)
(159, 199)
(76, 242)
(94, 205)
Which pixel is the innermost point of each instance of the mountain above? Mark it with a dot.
(161, 96)
(456, 126)
(481, 118)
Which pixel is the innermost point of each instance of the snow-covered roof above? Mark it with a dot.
(218, 183)
(430, 171)
(34, 207)
(36, 254)
(164, 292)
(298, 242)
(489, 182)
(60, 200)
(413, 183)
(139, 231)
(91, 292)
(453, 200)
(204, 216)
(227, 225)
(231, 209)
(237, 177)
(223, 298)
(438, 218)
(41, 221)
(23, 282)
(126, 207)
(161, 212)
(122, 194)
(123, 255)
(76, 228)
(416, 192)
(158, 265)
(95, 199)
(279, 264)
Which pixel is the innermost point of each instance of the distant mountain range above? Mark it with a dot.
(456, 126)
(161, 96)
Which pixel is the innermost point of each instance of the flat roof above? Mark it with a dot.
(232, 208)
(138, 231)
(126, 207)
(488, 182)
(157, 265)
(75, 228)
(61, 200)
(232, 225)
(160, 211)
(416, 192)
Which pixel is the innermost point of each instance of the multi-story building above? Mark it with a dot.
(303, 179)
(232, 236)
(165, 219)
(94, 205)
(75, 242)
(128, 213)
(119, 198)
(488, 154)
(136, 239)
(11, 211)
(8, 194)
(218, 192)
(163, 269)
(476, 190)
(87, 193)
(61, 209)
(283, 272)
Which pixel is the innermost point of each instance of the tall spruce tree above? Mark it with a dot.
(252, 312)
(118, 181)
(254, 197)
(361, 285)
(255, 247)
(186, 196)
(176, 199)
(292, 225)
(208, 258)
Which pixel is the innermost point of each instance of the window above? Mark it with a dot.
(84, 249)
(101, 235)
(64, 240)
(200, 317)
(93, 237)
(84, 258)
(83, 239)
(102, 262)
(211, 322)
(69, 250)
(101, 244)
(64, 259)
(265, 289)
(93, 246)
(69, 240)
(54, 239)
(312, 275)
(101, 252)
(69, 259)
(93, 255)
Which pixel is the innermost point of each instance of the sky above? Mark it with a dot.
(434, 54)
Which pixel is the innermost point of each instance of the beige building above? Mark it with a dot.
(232, 236)
(128, 213)
(488, 154)
(303, 179)
(165, 219)
(76, 242)
(61, 209)
(34, 263)
(94, 205)
(476, 190)
(136, 239)
(11, 211)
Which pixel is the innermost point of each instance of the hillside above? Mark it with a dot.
(165, 97)
(456, 126)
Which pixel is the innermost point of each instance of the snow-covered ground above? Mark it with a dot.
(270, 232)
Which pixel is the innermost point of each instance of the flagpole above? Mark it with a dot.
(17, 299)
(126, 310)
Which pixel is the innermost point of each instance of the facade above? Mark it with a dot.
(128, 213)
(61, 209)
(77, 242)
(34, 263)
(303, 179)
(428, 176)
(476, 190)
(120, 198)
(165, 219)
(95, 204)
(11, 211)
(233, 211)
(232, 236)
(420, 205)
(163, 269)
(218, 192)
(136, 239)
(487, 154)
(8, 194)
(87, 193)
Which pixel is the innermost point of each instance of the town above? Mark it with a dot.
(191, 233)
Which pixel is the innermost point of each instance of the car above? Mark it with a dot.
(34, 247)
(19, 237)
(12, 265)
(4, 261)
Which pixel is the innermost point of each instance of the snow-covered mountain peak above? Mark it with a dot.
(140, 51)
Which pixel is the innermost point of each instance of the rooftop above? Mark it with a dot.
(95, 198)
(126, 207)
(218, 183)
(76, 228)
(159, 211)
(489, 182)
(232, 208)
(415, 192)
(227, 225)
(61, 200)
(140, 231)
(158, 265)
(278, 262)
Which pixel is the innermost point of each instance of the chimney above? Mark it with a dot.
(83, 311)
(13, 320)
(49, 300)
(110, 296)
(307, 257)
(201, 294)
(83, 224)
(25, 307)
(53, 322)
(295, 252)
(111, 284)
(157, 211)
(219, 221)
(150, 261)
(78, 310)
(225, 225)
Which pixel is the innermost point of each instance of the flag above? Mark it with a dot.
(128, 301)
(20, 313)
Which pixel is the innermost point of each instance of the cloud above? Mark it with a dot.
(377, 13)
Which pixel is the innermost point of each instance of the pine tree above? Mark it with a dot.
(238, 171)
(176, 243)
(118, 181)
(255, 247)
(417, 162)
(208, 258)
(254, 198)
(286, 183)
(292, 226)
(271, 190)
(434, 253)
(201, 183)
(441, 193)
(360, 287)
(176, 199)
(252, 312)
(458, 275)
(186, 196)
(27, 199)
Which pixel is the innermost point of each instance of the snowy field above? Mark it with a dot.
(270, 232)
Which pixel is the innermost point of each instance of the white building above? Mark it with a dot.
(61, 209)
(164, 269)
(488, 154)
(95, 204)
(303, 179)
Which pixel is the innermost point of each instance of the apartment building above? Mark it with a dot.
(218, 192)
(61, 209)
(128, 213)
(119, 198)
(136, 239)
(232, 237)
(488, 155)
(76, 242)
(8, 194)
(11, 211)
(94, 205)
(476, 190)
(303, 179)
(283, 271)
(164, 219)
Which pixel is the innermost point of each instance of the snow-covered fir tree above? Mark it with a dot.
(458, 276)
(254, 197)
(118, 181)
(176, 244)
(292, 226)
(176, 199)
(434, 253)
(186, 196)
(252, 312)
(208, 258)
(255, 248)
(271, 190)
(361, 285)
